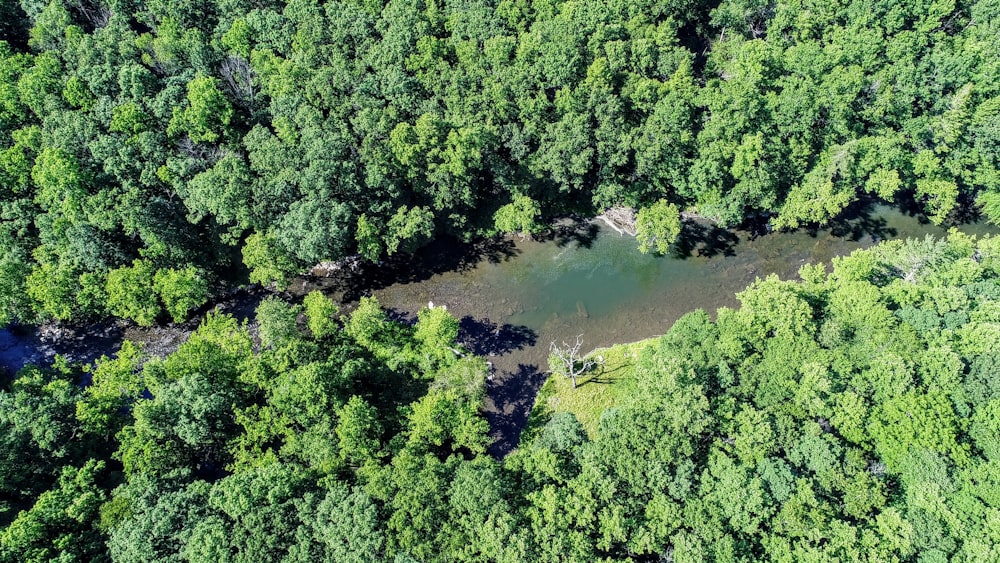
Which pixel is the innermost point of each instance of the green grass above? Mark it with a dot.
(596, 391)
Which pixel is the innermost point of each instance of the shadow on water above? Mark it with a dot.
(442, 255)
(700, 238)
(965, 212)
(906, 202)
(579, 233)
(400, 316)
(20, 346)
(859, 221)
(486, 338)
(241, 304)
(514, 395)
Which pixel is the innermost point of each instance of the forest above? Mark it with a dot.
(847, 416)
(155, 152)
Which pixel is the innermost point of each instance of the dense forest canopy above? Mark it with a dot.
(149, 148)
(850, 416)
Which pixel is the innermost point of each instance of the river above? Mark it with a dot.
(514, 297)
(588, 280)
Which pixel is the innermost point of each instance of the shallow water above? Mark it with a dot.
(593, 282)
(514, 298)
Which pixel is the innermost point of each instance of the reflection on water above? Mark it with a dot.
(598, 285)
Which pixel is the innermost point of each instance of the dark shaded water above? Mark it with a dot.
(515, 297)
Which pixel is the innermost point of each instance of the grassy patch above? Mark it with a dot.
(598, 390)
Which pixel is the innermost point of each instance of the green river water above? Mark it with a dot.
(514, 297)
(591, 281)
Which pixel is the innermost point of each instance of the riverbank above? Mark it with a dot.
(596, 391)
(86, 342)
(514, 297)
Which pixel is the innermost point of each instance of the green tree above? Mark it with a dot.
(358, 432)
(114, 385)
(408, 229)
(180, 291)
(436, 333)
(519, 217)
(367, 235)
(131, 292)
(62, 523)
(207, 114)
(321, 314)
(159, 519)
(269, 263)
(657, 227)
(277, 322)
(341, 525)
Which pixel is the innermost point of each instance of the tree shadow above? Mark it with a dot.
(581, 233)
(701, 238)
(354, 279)
(400, 316)
(512, 395)
(78, 343)
(858, 221)
(906, 202)
(595, 380)
(486, 338)
(240, 304)
(243, 306)
(18, 348)
(966, 210)
(600, 376)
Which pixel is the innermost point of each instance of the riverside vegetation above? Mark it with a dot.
(849, 416)
(151, 148)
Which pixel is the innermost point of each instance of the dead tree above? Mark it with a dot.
(567, 358)
(94, 13)
(238, 76)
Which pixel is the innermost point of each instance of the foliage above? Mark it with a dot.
(822, 419)
(657, 226)
(180, 291)
(291, 133)
(321, 314)
(268, 263)
(146, 147)
(62, 525)
(130, 293)
(277, 322)
(850, 415)
(518, 216)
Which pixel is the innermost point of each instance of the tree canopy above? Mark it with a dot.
(849, 415)
(161, 143)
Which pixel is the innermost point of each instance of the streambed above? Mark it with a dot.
(514, 297)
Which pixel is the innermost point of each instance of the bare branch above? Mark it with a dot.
(238, 76)
(568, 359)
(93, 12)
